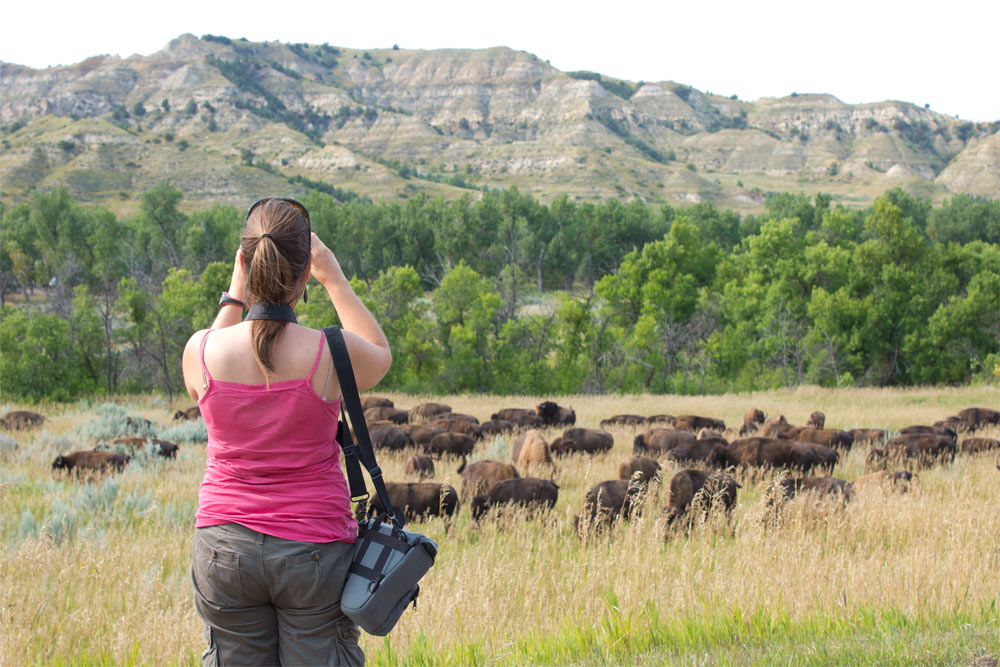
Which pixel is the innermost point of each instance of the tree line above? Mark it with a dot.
(501, 293)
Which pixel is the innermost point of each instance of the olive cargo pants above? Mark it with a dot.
(270, 601)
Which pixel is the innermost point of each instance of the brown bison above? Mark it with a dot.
(922, 429)
(479, 476)
(761, 452)
(387, 414)
(528, 421)
(821, 436)
(376, 402)
(511, 414)
(19, 420)
(977, 445)
(641, 470)
(897, 481)
(420, 434)
(420, 499)
(386, 435)
(955, 424)
(451, 444)
(458, 425)
(496, 426)
(189, 415)
(817, 486)
(582, 440)
(868, 434)
(164, 448)
(91, 461)
(461, 415)
(531, 450)
(660, 419)
(751, 419)
(429, 410)
(529, 492)
(816, 420)
(420, 466)
(624, 420)
(697, 450)
(979, 417)
(694, 423)
(659, 441)
(604, 502)
(774, 425)
(922, 449)
(710, 489)
(553, 414)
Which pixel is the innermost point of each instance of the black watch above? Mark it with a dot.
(226, 300)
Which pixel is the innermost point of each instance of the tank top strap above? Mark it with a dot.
(319, 355)
(201, 357)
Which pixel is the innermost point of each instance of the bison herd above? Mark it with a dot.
(710, 463)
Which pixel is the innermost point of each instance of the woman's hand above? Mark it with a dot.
(325, 268)
(238, 283)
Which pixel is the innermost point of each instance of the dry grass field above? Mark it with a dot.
(98, 572)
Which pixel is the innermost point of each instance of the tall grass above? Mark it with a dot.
(98, 572)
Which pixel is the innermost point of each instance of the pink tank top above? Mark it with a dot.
(273, 459)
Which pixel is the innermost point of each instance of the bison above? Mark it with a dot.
(164, 448)
(420, 499)
(977, 445)
(530, 492)
(979, 417)
(695, 450)
(818, 486)
(822, 436)
(429, 410)
(511, 414)
(582, 440)
(388, 436)
(368, 402)
(387, 414)
(479, 476)
(897, 481)
(921, 429)
(660, 419)
(760, 452)
(91, 461)
(553, 414)
(420, 434)
(531, 450)
(420, 466)
(694, 423)
(188, 415)
(641, 470)
(710, 488)
(458, 425)
(774, 425)
(659, 441)
(868, 434)
(451, 444)
(604, 502)
(751, 419)
(816, 420)
(624, 420)
(496, 426)
(922, 449)
(19, 420)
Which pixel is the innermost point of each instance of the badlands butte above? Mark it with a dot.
(226, 119)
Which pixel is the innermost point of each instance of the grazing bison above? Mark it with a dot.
(528, 421)
(921, 429)
(827, 457)
(760, 452)
(709, 434)
(868, 434)
(641, 470)
(709, 488)
(922, 449)
(188, 415)
(451, 444)
(19, 420)
(751, 419)
(660, 419)
(582, 440)
(164, 448)
(92, 461)
(429, 410)
(420, 466)
(818, 486)
(897, 481)
(376, 402)
(816, 420)
(821, 436)
(458, 425)
(774, 425)
(496, 426)
(659, 441)
(694, 423)
(552, 414)
(461, 415)
(421, 434)
(604, 502)
(388, 436)
(479, 476)
(529, 492)
(420, 499)
(977, 445)
(955, 424)
(531, 450)
(624, 420)
(693, 451)
(979, 417)
(511, 414)
(387, 414)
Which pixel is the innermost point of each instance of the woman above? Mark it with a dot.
(274, 529)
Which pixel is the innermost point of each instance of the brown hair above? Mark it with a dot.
(273, 265)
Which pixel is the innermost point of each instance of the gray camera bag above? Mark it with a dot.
(388, 561)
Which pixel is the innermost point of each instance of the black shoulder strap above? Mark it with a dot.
(362, 451)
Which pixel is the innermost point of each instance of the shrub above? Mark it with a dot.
(188, 432)
(113, 421)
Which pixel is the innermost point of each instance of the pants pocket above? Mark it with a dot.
(315, 579)
(210, 656)
(347, 651)
(216, 574)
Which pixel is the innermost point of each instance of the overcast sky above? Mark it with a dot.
(945, 54)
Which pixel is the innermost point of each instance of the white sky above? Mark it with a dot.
(945, 54)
